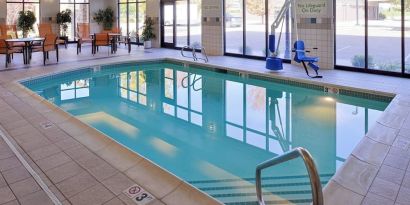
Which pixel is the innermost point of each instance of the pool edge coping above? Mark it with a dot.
(337, 186)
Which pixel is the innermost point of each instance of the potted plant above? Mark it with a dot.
(148, 33)
(105, 17)
(63, 19)
(25, 22)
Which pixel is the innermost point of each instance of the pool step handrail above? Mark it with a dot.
(316, 186)
(194, 56)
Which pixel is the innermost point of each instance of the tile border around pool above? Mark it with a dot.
(352, 181)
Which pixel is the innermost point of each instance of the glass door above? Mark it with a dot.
(168, 22)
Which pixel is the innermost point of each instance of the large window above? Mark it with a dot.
(132, 15)
(183, 95)
(80, 14)
(247, 24)
(370, 35)
(258, 116)
(133, 87)
(15, 6)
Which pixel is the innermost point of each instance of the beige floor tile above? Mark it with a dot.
(16, 174)
(373, 199)
(384, 188)
(371, 151)
(74, 127)
(89, 161)
(55, 134)
(118, 183)
(9, 163)
(44, 152)
(95, 195)
(24, 187)
(6, 195)
(5, 152)
(39, 197)
(103, 171)
(382, 134)
(67, 143)
(53, 161)
(356, 175)
(119, 157)
(396, 161)
(15, 202)
(404, 196)
(64, 171)
(94, 140)
(391, 174)
(154, 180)
(76, 184)
(114, 201)
(335, 194)
(78, 152)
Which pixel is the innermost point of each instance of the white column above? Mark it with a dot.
(316, 29)
(153, 12)
(212, 27)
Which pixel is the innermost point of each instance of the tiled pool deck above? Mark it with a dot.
(82, 166)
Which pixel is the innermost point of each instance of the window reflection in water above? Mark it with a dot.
(183, 95)
(266, 114)
(133, 86)
(75, 89)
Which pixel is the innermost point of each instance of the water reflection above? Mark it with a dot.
(184, 115)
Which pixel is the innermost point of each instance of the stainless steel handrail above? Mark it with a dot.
(317, 195)
(194, 53)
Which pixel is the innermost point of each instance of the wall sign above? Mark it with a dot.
(312, 8)
(138, 195)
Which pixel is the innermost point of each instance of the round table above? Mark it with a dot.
(27, 42)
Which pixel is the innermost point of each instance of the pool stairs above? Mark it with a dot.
(276, 190)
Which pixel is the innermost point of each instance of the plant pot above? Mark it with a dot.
(147, 44)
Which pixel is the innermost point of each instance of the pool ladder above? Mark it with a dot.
(317, 194)
(194, 56)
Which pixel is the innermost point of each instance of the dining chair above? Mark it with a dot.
(102, 39)
(47, 45)
(46, 28)
(8, 50)
(83, 35)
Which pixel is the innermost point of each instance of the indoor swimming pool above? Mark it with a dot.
(212, 127)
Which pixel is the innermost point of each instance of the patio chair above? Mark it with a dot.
(102, 39)
(45, 28)
(10, 32)
(83, 35)
(8, 50)
(47, 45)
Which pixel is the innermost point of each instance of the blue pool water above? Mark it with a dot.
(212, 128)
